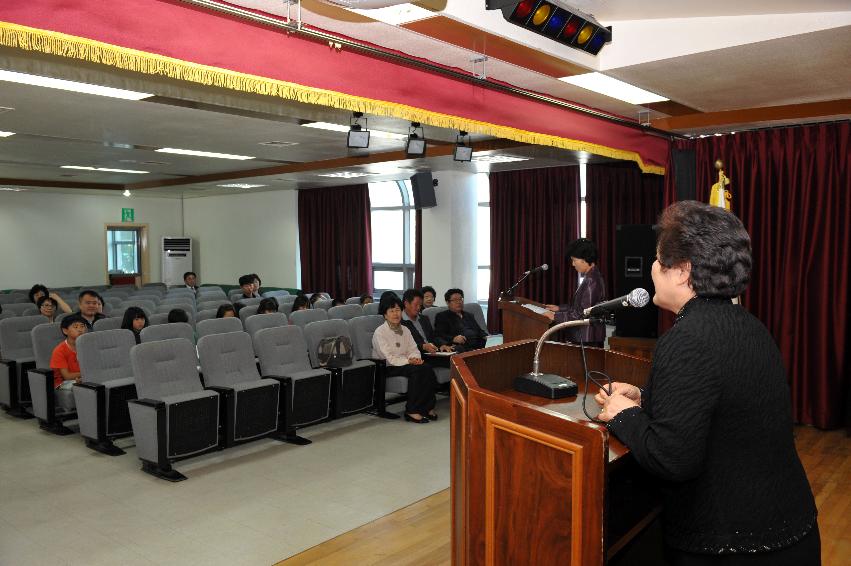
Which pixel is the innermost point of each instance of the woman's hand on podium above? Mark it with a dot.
(629, 391)
(615, 403)
(553, 308)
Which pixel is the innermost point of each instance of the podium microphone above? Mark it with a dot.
(508, 294)
(636, 298)
(547, 384)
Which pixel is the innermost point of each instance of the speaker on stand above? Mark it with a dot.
(635, 252)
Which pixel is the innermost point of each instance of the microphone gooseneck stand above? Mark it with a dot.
(509, 294)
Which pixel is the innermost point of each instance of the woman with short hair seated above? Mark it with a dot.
(395, 344)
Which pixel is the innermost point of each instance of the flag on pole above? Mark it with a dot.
(720, 196)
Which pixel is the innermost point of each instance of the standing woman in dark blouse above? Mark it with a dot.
(715, 423)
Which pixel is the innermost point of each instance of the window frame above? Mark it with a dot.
(407, 267)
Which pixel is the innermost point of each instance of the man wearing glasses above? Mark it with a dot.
(457, 327)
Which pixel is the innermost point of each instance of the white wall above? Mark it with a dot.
(245, 233)
(59, 239)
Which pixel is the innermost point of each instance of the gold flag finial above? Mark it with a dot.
(720, 196)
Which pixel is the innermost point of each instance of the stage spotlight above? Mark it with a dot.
(556, 20)
(463, 148)
(416, 146)
(358, 136)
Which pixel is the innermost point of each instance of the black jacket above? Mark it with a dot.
(427, 328)
(591, 291)
(715, 426)
(448, 325)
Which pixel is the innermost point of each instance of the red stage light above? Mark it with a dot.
(571, 28)
(523, 9)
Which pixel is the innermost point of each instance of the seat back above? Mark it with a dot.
(212, 304)
(246, 311)
(165, 367)
(105, 355)
(17, 309)
(345, 312)
(234, 294)
(159, 318)
(260, 321)
(11, 298)
(370, 308)
(16, 336)
(242, 303)
(303, 318)
(227, 359)
(432, 312)
(218, 326)
(187, 306)
(205, 315)
(148, 306)
(475, 309)
(279, 293)
(167, 332)
(362, 328)
(323, 304)
(281, 350)
(285, 308)
(286, 299)
(107, 324)
(316, 331)
(45, 338)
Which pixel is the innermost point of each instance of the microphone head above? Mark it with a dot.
(638, 297)
(545, 267)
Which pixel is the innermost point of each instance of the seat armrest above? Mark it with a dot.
(158, 405)
(279, 378)
(42, 371)
(89, 385)
(223, 391)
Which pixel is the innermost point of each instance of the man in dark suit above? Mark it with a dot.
(457, 327)
(421, 329)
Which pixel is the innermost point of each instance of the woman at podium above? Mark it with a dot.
(714, 423)
(592, 290)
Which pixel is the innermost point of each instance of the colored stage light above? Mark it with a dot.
(555, 24)
(596, 42)
(571, 28)
(541, 14)
(556, 20)
(523, 9)
(585, 34)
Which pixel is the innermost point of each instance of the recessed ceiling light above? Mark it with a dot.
(104, 169)
(498, 158)
(346, 174)
(6, 134)
(395, 15)
(126, 192)
(203, 153)
(85, 88)
(340, 128)
(241, 186)
(279, 143)
(612, 87)
(12, 189)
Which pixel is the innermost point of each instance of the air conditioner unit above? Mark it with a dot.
(177, 259)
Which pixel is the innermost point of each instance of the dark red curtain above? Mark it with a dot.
(335, 236)
(534, 215)
(618, 194)
(792, 189)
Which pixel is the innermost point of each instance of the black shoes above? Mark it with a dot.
(432, 417)
(411, 419)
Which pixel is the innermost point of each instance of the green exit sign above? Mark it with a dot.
(128, 215)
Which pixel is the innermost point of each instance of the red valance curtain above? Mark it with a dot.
(335, 236)
(792, 189)
(618, 194)
(534, 215)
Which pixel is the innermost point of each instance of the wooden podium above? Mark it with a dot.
(533, 480)
(520, 323)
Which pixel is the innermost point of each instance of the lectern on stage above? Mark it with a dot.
(534, 482)
(519, 322)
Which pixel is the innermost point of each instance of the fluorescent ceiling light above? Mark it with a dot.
(609, 86)
(241, 186)
(498, 158)
(203, 153)
(104, 169)
(13, 189)
(396, 15)
(6, 134)
(341, 128)
(49, 82)
(346, 174)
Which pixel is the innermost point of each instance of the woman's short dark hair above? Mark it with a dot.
(220, 312)
(713, 240)
(429, 289)
(584, 249)
(386, 294)
(177, 315)
(131, 314)
(45, 299)
(269, 303)
(388, 303)
(35, 289)
(301, 302)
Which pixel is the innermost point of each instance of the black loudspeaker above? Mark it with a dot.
(685, 173)
(423, 189)
(635, 252)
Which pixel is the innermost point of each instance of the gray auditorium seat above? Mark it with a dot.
(186, 306)
(432, 312)
(276, 294)
(234, 294)
(18, 309)
(109, 323)
(240, 303)
(49, 412)
(16, 358)
(286, 299)
(113, 301)
(354, 385)
(475, 309)
(174, 416)
(282, 352)
(323, 304)
(218, 326)
(362, 328)
(246, 311)
(285, 309)
(260, 321)
(168, 331)
(32, 311)
(159, 318)
(107, 384)
(12, 298)
(250, 401)
(353, 301)
(205, 314)
(212, 304)
(303, 318)
(345, 312)
(148, 306)
(370, 308)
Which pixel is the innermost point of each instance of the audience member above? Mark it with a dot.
(393, 342)
(47, 307)
(177, 315)
(38, 291)
(315, 298)
(267, 306)
(455, 326)
(420, 326)
(301, 303)
(255, 279)
(246, 283)
(135, 320)
(63, 361)
(91, 307)
(190, 279)
(386, 294)
(225, 311)
(365, 299)
(337, 302)
(429, 295)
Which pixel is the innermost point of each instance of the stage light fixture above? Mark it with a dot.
(463, 148)
(416, 145)
(556, 20)
(358, 136)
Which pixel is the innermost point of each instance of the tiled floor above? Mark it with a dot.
(61, 503)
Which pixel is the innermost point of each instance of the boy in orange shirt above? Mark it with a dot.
(63, 361)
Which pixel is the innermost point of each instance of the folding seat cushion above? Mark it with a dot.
(246, 311)
(218, 326)
(276, 294)
(18, 309)
(174, 416)
(370, 308)
(16, 357)
(354, 385)
(285, 309)
(432, 312)
(303, 318)
(205, 314)
(109, 323)
(45, 338)
(345, 312)
(106, 385)
(475, 309)
(323, 304)
(282, 352)
(251, 402)
(168, 331)
(260, 321)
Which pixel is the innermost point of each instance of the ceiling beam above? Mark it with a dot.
(750, 115)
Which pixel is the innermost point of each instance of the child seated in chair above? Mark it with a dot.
(63, 361)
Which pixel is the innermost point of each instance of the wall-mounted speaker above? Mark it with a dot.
(635, 252)
(685, 173)
(422, 186)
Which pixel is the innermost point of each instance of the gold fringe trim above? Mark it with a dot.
(64, 45)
